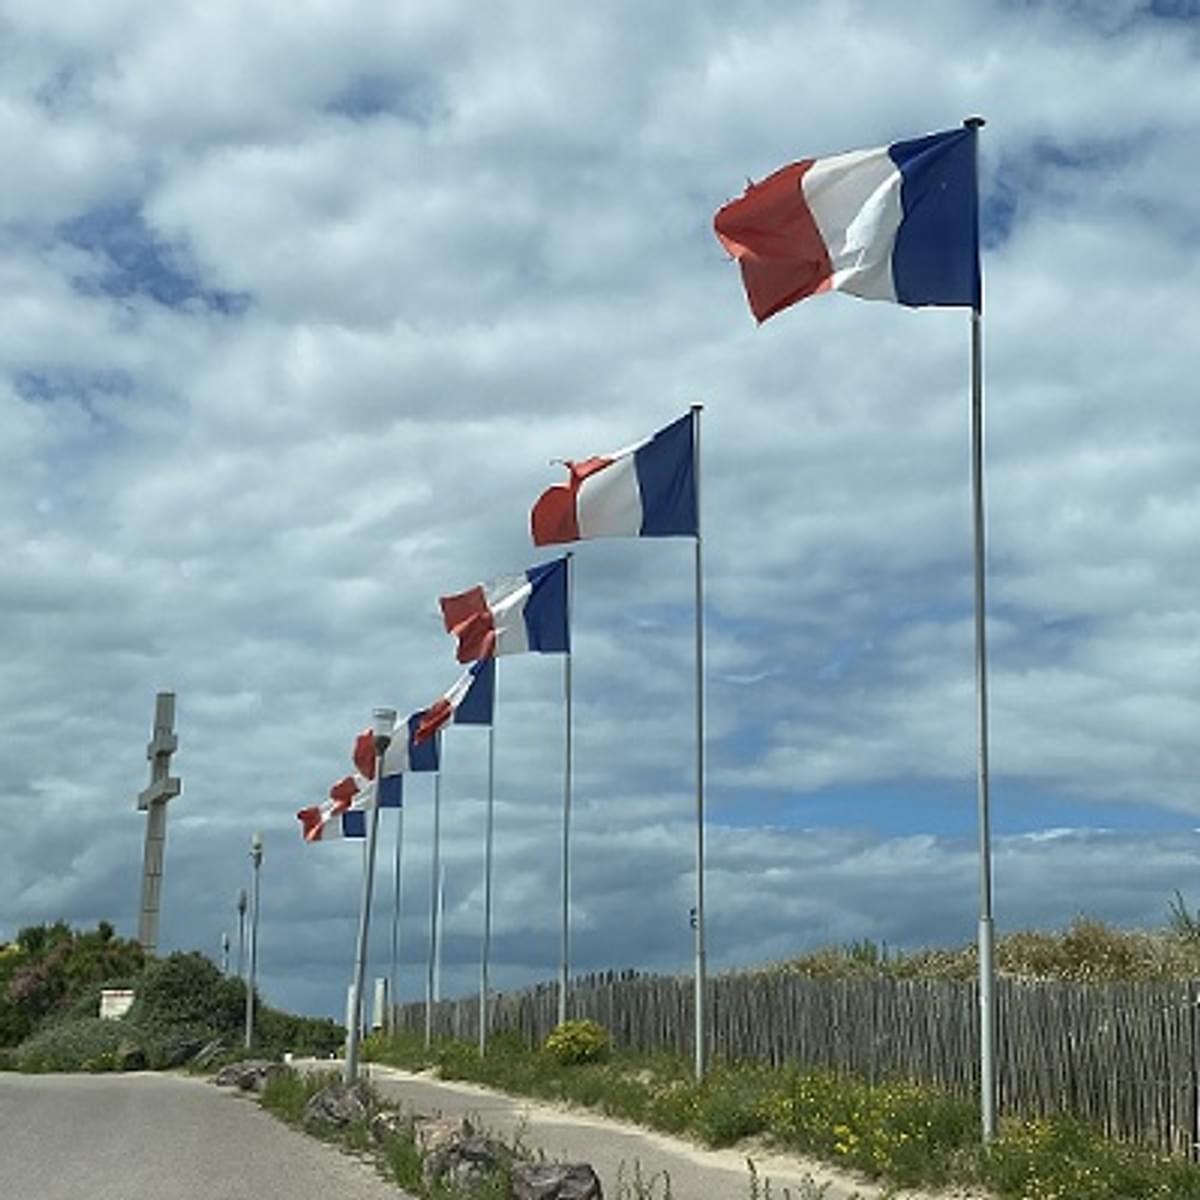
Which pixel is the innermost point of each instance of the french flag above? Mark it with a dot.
(341, 814)
(645, 490)
(511, 615)
(897, 223)
(470, 701)
(320, 826)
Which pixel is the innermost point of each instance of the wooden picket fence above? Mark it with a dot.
(1122, 1055)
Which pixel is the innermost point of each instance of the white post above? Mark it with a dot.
(397, 885)
(564, 967)
(434, 871)
(441, 927)
(256, 857)
(987, 968)
(383, 724)
(701, 961)
(485, 951)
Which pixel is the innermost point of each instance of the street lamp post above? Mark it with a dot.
(256, 856)
(382, 725)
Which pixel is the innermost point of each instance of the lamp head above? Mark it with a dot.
(256, 848)
(383, 723)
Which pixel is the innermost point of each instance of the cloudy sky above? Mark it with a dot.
(299, 303)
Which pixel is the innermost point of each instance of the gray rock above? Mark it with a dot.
(339, 1105)
(386, 1124)
(458, 1158)
(251, 1075)
(555, 1181)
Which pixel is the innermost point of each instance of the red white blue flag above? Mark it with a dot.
(897, 223)
(511, 615)
(470, 701)
(646, 490)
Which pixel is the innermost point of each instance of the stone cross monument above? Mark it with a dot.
(153, 801)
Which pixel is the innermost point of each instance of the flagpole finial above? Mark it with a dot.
(697, 405)
(974, 122)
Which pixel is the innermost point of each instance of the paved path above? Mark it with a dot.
(612, 1147)
(149, 1136)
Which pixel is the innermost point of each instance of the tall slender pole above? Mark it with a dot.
(485, 951)
(383, 724)
(564, 958)
(434, 872)
(256, 855)
(397, 893)
(987, 968)
(441, 930)
(701, 963)
(241, 912)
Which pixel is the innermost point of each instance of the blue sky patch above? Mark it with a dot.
(133, 261)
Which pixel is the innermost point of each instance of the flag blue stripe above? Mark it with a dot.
(391, 791)
(666, 473)
(546, 608)
(935, 259)
(476, 707)
(354, 823)
(425, 756)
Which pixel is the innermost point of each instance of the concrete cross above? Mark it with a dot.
(153, 801)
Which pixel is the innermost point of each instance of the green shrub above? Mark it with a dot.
(185, 995)
(1049, 1159)
(89, 1044)
(309, 1037)
(575, 1042)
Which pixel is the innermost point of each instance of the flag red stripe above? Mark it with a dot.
(364, 754)
(310, 823)
(770, 230)
(468, 617)
(555, 515)
(436, 715)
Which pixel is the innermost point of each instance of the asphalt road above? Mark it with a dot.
(161, 1137)
(614, 1149)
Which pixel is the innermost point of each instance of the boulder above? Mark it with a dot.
(250, 1075)
(455, 1157)
(339, 1105)
(555, 1181)
(386, 1124)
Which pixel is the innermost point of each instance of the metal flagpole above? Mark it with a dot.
(701, 965)
(987, 968)
(383, 724)
(564, 968)
(397, 892)
(437, 953)
(433, 901)
(487, 871)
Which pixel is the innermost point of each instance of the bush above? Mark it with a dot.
(89, 1044)
(310, 1037)
(185, 995)
(575, 1042)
